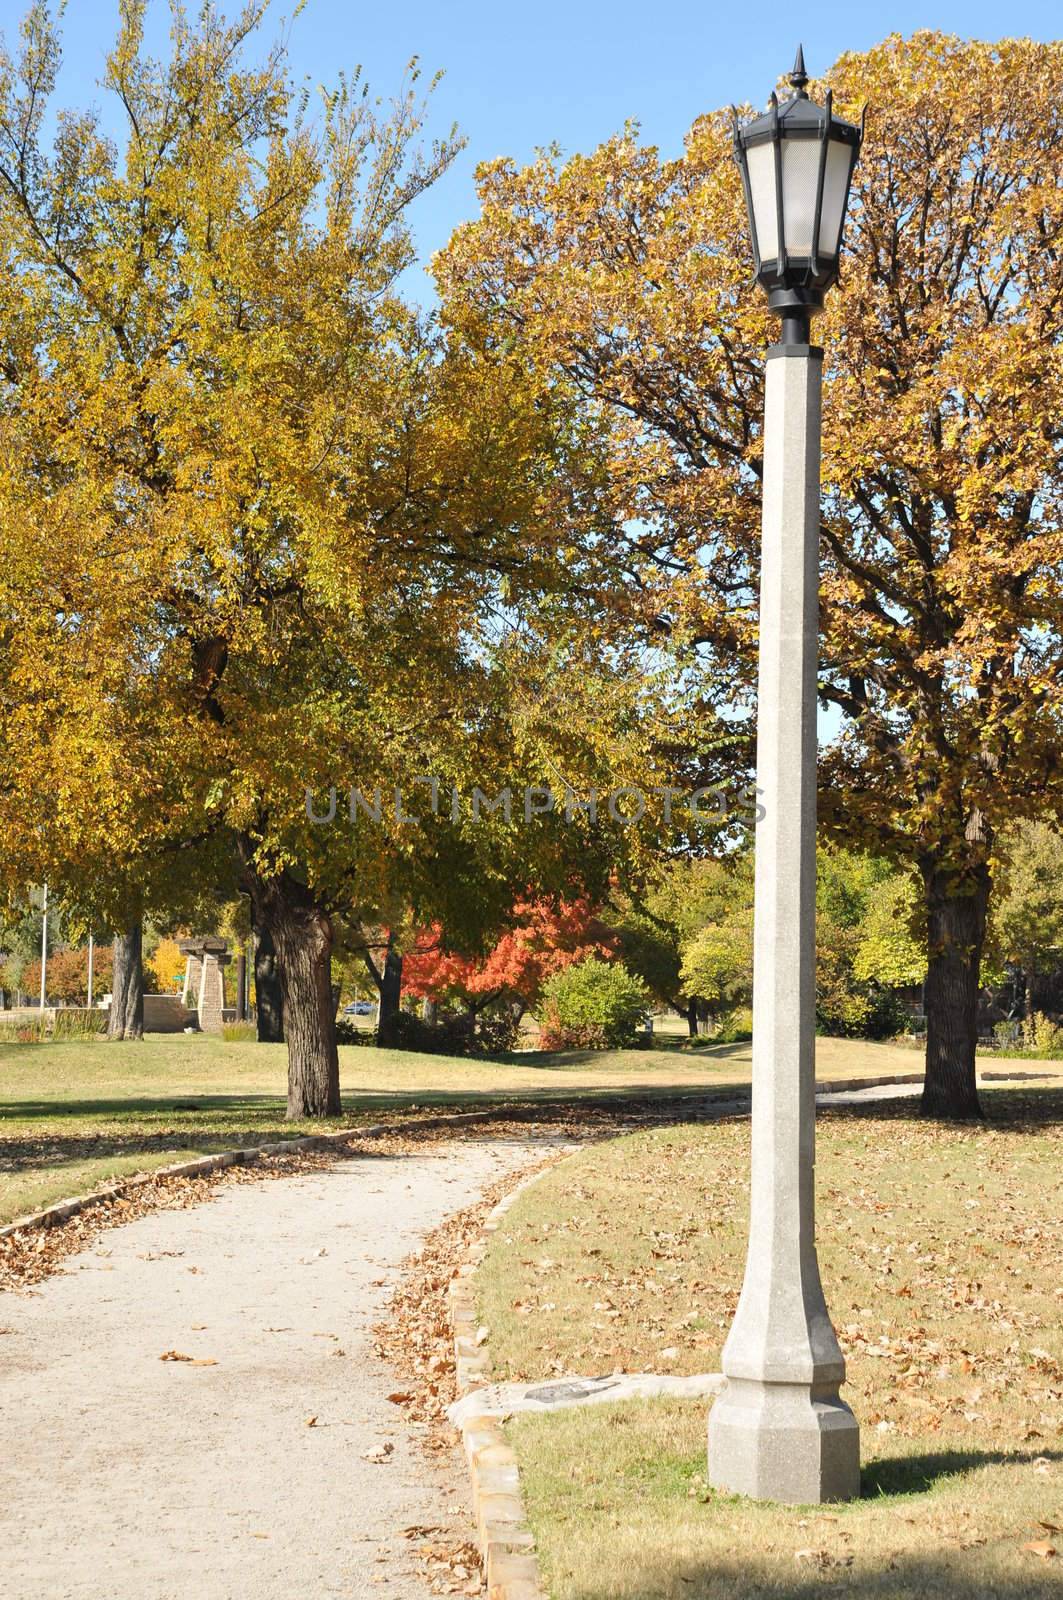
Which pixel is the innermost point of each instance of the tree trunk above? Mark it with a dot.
(429, 1012)
(302, 939)
(956, 924)
(126, 1020)
(269, 999)
(692, 1018)
(390, 996)
(241, 985)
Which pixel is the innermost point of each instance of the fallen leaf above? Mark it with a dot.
(311, 1422)
(1040, 1547)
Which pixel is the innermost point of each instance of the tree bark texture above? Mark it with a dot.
(126, 1020)
(269, 999)
(301, 933)
(956, 924)
(390, 998)
(241, 986)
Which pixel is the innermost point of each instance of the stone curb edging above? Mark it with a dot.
(507, 1545)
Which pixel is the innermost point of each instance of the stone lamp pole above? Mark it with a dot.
(779, 1430)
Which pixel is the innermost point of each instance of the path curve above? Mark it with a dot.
(125, 1476)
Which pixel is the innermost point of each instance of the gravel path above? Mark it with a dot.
(125, 1476)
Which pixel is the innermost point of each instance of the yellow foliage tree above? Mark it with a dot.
(168, 965)
(269, 529)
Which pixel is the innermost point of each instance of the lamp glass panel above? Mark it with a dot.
(800, 179)
(835, 187)
(761, 160)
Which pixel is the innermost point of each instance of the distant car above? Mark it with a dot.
(359, 1008)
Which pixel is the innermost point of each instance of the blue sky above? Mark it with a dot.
(522, 76)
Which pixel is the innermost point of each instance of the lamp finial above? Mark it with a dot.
(799, 77)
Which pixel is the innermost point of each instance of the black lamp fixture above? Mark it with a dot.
(797, 164)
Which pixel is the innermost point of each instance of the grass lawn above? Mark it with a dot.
(74, 1115)
(941, 1252)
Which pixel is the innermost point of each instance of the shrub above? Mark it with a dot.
(592, 1006)
(348, 1033)
(1041, 1036)
(1007, 1035)
(735, 1027)
(77, 1022)
(488, 1035)
(24, 1030)
(238, 1032)
(496, 1034)
(888, 1015)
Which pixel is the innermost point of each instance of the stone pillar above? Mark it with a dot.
(779, 1430)
(193, 973)
(211, 993)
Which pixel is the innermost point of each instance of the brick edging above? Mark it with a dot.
(507, 1545)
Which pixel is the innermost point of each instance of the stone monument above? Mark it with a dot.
(204, 985)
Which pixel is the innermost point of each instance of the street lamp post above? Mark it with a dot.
(44, 948)
(779, 1430)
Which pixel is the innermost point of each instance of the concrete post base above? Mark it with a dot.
(784, 1442)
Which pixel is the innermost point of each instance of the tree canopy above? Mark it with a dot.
(941, 536)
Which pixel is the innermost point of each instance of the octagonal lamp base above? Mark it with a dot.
(786, 1442)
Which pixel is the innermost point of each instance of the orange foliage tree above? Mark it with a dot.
(545, 937)
(942, 546)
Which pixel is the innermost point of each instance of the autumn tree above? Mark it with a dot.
(542, 938)
(866, 911)
(274, 532)
(892, 950)
(681, 902)
(628, 276)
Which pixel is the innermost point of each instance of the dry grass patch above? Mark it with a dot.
(941, 1252)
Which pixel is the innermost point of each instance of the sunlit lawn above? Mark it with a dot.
(943, 1259)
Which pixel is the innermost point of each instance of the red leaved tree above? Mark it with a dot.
(543, 937)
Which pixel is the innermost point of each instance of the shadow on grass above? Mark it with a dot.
(661, 1576)
(559, 1060)
(50, 1135)
(210, 1123)
(1018, 1110)
(901, 1475)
